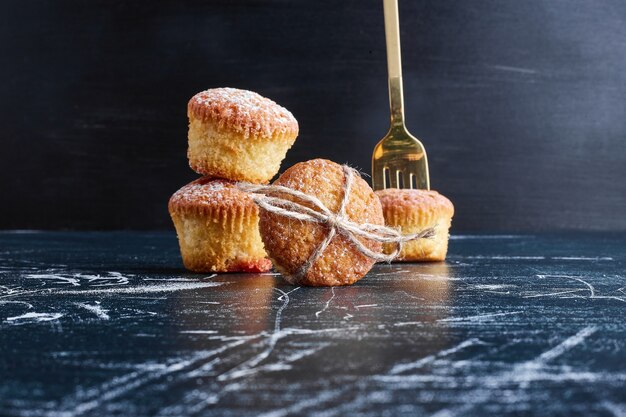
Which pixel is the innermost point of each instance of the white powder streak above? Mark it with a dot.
(145, 289)
(96, 309)
(33, 318)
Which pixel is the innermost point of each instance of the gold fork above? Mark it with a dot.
(399, 159)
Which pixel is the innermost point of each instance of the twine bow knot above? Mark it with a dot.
(337, 223)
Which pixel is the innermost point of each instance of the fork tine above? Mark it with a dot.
(385, 178)
(407, 180)
(393, 178)
(400, 178)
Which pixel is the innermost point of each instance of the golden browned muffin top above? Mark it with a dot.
(410, 200)
(290, 242)
(244, 112)
(207, 194)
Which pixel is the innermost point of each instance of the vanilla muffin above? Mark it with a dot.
(218, 228)
(290, 243)
(238, 135)
(413, 211)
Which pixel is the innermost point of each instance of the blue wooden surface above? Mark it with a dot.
(110, 324)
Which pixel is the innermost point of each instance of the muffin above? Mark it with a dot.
(218, 228)
(290, 242)
(412, 211)
(238, 134)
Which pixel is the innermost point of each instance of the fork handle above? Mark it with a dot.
(394, 62)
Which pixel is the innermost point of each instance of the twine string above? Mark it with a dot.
(337, 223)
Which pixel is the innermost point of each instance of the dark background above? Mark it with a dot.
(520, 104)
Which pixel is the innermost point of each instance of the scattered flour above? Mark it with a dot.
(32, 317)
(96, 309)
(144, 289)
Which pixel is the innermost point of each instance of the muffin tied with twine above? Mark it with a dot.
(322, 225)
